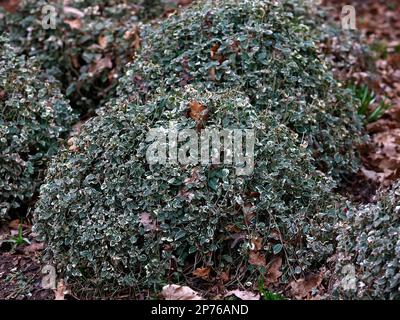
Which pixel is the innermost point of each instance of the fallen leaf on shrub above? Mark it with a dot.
(176, 292)
(211, 74)
(249, 212)
(244, 295)
(74, 23)
(257, 259)
(102, 40)
(73, 11)
(273, 270)
(137, 40)
(194, 178)
(214, 55)
(148, 223)
(100, 65)
(61, 290)
(10, 5)
(134, 34)
(33, 248)
(303, 287)
(184, 2)
(202, 272)
(186, 195)
(72, 147)
(257, 243)
(76, 129)
(197, 111)
(213, 52)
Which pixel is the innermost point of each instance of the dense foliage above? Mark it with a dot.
(89, 45)
(269, 51)
(118, 221)
(34, 116)
(369, 242)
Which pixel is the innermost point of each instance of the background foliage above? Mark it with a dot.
(34, 116)
(89, 46)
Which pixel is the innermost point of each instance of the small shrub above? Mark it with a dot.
(368, 263)
(266, 49)
(34, 116)
(117, 221)
(89, 46)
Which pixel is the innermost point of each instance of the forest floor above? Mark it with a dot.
(379, 21)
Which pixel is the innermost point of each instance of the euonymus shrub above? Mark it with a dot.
(118, 221)
(33, 117)
(88, 46)
(267, 50)
(368, 263)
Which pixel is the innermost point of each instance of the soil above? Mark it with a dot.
(21, 277)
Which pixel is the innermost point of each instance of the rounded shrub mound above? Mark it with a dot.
(267, 49)
(89, 45)
(118, 220)
(34, 116)
(368, 263)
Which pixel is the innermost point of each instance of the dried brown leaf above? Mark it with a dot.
(202, 272)
(197, 111)
(257, 243)
(249, 212)
(10, 5)
(186, 194)
(73, 11)
(61, 290)
(74, 23)
(244, 295)
(176, 292)
(273, 270)
(100, 65)
(33, 247)
(257, 259)
(148, 223)
(302, 288)
(102, 41)
(224, 276)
